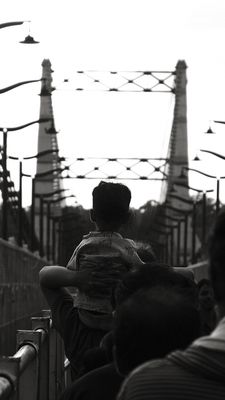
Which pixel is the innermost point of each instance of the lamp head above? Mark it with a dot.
(29, 40)
(196, 158)
(210, 131)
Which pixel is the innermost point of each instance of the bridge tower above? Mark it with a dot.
(47, 136)
(175, 191)
(48, 161)
(178, 144)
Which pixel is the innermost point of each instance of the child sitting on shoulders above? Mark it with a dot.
(104, 249)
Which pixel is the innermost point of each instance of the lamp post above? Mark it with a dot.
(166, 234)
(203, 192)
(55, 219)
(178, 240)
(218, 178)
(41, 219)
(28, 39)
(178, 226)
(193, 203)
(20, 192)
(185, 213)
(217, 183)
(4, 167)
(171, 233)
(5, 130)
(32, 215)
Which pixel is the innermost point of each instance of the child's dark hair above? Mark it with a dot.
(111, 202)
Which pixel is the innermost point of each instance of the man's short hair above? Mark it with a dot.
(216, 250)
(111, 201)
(154, 274)
(145, 251)
(151, 323)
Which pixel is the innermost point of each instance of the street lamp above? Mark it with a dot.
(210, 176)
(54, 172)
(203, 192)
(193, 203)
(41, 222)
(20, 193)
(171, 233)
(185, 213)
(28, 39)
(15, 85)
(178, 226)
(158, 244)
(58, 218)
(4, 168)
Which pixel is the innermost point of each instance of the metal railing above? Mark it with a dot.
(38, 370)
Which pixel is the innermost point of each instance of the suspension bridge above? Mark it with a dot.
(29, 238)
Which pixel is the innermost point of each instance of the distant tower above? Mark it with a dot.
(178, 145)
(47, 141)
(177, 183)
(47, 136)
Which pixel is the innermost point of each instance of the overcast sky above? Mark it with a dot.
(115, 35)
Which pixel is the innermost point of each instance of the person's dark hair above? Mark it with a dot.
(145, 251)
(151, 323)
(111, 202)
(153, 274)
(216, 252)
(203, 282)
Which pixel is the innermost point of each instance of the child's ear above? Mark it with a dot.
(92, 215)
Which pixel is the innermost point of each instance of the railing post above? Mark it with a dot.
(43, 381)
(203, 220)
(56, 363)
(167, 249)
(48, 230)
(171, 246)
(9, 371)
(185, 237)
(29, 376)
(193, 232)
(178, 243)
(41, 226)
(4, 188)
(20, 233)
(32, 216)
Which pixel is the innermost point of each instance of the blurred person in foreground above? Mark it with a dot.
(198, 373)
(156, 312)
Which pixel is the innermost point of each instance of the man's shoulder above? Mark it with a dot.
(100, 383)
(154, 365)
(142, 376)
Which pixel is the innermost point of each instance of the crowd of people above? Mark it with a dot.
(134, 328)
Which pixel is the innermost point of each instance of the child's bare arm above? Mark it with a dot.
(89, 281)
(54, 277)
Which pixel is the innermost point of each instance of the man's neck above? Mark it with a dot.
(103, 227)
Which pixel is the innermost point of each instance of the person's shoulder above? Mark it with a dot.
(149, 366)
(142, 376)
(95, 384)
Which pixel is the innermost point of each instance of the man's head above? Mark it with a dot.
(110, 204)
(145, 251)
(151, 323)
(155, 274)
(216, 249)
(206, 295)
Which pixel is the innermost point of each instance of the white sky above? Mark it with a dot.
(115, 35)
